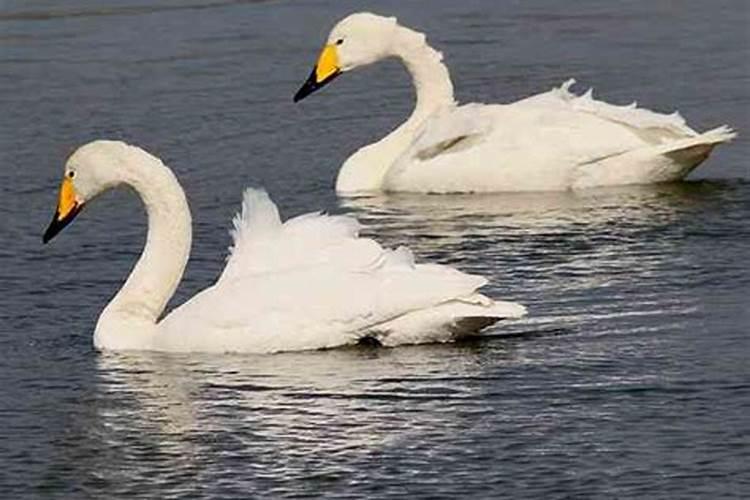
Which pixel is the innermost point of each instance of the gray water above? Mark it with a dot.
(628, 379)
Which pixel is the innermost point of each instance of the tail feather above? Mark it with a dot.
(691, 152)
(447, 321)
(718, 135)
(667, 162)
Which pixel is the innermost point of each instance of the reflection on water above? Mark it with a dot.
(174, 392)
(552, 251)
(569, 211)
(291, 424)
(281, 418)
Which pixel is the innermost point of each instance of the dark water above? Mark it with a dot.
(629, 378)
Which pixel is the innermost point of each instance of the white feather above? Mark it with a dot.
(263, 244)
(312, 282)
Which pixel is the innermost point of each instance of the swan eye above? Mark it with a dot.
(71, 174)
(339, 41)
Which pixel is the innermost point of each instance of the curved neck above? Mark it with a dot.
(155, 277)
(366, 169)
(431, 79)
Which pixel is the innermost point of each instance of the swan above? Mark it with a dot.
(550, 141)
(308, 283)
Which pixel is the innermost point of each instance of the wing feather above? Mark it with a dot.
(262, 244)
(311, 282)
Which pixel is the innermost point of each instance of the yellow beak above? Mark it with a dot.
(326, 69)
(328, 64)
(67, 208)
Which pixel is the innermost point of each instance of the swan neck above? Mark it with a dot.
(155, 277)
(367, 169)
(430, 76)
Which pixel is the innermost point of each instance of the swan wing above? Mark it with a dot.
(450, 130)
(318, 307)
(263, 244)
(651, 126)
(545, 142)
(313, 283)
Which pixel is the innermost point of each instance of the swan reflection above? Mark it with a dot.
(549, 251)
(284, 415)
(469, 214)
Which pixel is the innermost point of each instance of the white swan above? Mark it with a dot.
(551, 141)
(308, 283)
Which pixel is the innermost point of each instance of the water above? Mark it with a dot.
(628, 379)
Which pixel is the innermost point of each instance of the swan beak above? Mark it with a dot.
(324, 71)
(68, 207)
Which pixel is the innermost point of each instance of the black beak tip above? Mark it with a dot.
(49, 234)
(308, 87)
(303, 92)
(312, 84)
(58, 224)
(54, 227)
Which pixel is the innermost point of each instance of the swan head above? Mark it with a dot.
(89, 171)
(357, 40)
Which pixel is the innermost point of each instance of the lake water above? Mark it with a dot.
(629, 378)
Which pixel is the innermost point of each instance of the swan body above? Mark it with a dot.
(551, 141)
(308, 283)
